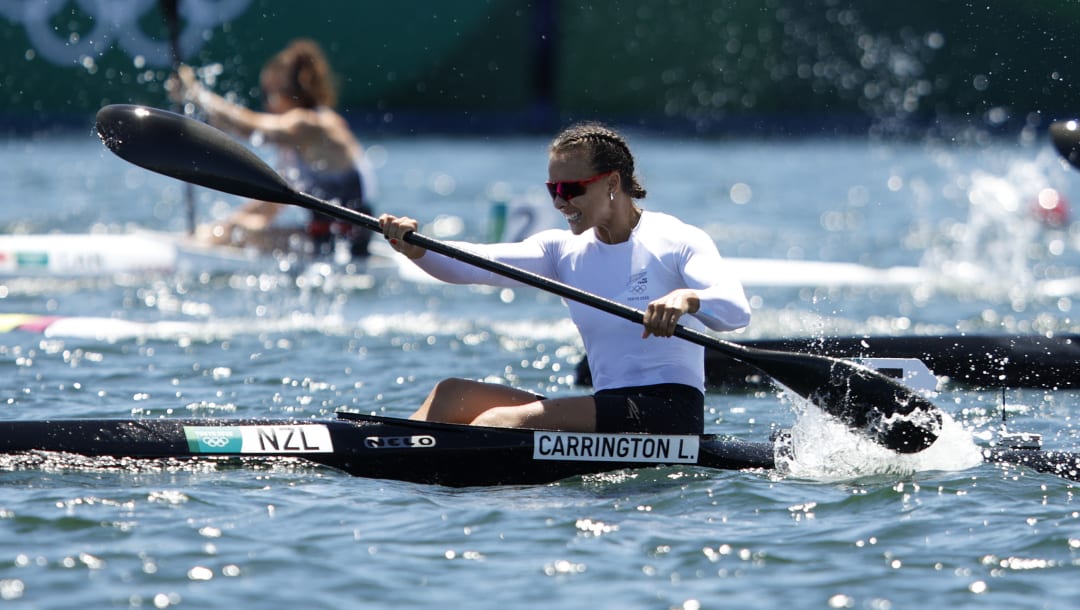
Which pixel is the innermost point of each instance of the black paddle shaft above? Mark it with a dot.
(170, 10)
(183, 148)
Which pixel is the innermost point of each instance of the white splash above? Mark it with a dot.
(824, 449)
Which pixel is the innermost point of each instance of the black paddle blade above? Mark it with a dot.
(889, 412)
(173, 145)
(1066, 138)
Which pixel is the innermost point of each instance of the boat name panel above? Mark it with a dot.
(590, 447)
(301, 438)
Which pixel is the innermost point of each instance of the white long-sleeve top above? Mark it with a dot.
(662, 254)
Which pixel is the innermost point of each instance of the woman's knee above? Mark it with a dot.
(449, 401)
(451, 387)
(500, 417)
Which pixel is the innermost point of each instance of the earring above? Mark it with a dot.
(611, 196)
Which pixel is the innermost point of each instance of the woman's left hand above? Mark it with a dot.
(395, 229)
(662, 315)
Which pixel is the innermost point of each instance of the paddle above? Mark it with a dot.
(1066, 138)
(183, 148)
(171, 10)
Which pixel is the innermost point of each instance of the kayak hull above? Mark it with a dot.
(374, 447)
(421, 452)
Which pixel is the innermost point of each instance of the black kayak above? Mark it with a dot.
(421, 452)
(985, 361)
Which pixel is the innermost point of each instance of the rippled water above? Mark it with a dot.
(840, 529)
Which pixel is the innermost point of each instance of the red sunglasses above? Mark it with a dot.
(569, 189)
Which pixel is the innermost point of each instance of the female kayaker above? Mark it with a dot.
(644, 381)
(318, 153)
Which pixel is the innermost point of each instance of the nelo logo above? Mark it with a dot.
(422, 441)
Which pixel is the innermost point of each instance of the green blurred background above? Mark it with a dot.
(513, 65)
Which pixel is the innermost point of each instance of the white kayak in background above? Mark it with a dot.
(769, 272)
(104, 254)
(141, 252)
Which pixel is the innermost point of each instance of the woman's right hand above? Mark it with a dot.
(183, 86)
(394, 229)
(215, 234)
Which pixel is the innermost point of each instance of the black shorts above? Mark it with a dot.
(665, 408)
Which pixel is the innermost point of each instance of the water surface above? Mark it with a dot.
(883, 535)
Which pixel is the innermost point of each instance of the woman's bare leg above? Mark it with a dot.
(574, 414)
(461, 401)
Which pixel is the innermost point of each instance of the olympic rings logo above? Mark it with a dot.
(116, 22)
(639, 283)
(215, 441)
